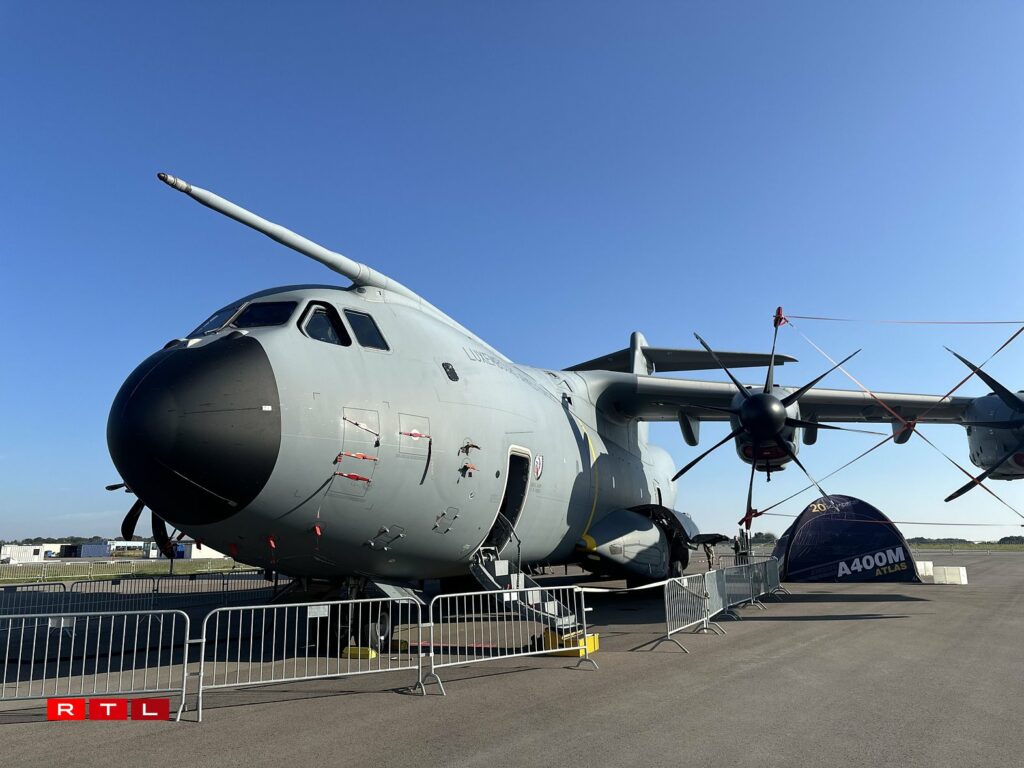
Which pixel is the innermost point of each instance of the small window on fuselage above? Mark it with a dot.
(366, 330)
(264, 313)
(322, 323)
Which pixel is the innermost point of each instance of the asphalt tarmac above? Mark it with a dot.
(871, 675)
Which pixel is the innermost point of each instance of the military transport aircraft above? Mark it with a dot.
(332, 432)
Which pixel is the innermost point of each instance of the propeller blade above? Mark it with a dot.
(163, 541)
(984, 475)
(790, 422)
(789, 451)
(719, 444)
(1008, 397)
(750, 485)
(788, 400)
(769, 380)
(115, 486)
(131, 520)
(710, 351)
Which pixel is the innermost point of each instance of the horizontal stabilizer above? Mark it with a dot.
(666, 359)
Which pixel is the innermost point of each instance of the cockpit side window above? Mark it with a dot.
(366, 330)
(264, 313)
(321, 322)
(214, 322)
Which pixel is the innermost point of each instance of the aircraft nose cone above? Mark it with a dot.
(195, 433)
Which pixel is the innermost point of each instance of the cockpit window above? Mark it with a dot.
(215, 322)
(366, 330)
(322, 323)
(264, 313)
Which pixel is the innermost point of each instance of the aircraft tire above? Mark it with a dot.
(375, 631)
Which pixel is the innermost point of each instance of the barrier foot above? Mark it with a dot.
(584, 660)
(732, 614)
(712, 627)
(423, 683)
(757, 604)
(667, 639)
(781, 589)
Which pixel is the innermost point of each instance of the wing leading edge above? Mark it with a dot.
(651, 398)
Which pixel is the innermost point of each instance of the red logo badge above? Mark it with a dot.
(65, 709)
(108, 709)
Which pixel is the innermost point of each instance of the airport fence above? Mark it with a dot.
(99, 569)
(258, 645)
(93, 654)
(472, 627)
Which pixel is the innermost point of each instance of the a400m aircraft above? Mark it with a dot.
(331, 433)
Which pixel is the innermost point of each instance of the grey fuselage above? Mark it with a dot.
(392, 464)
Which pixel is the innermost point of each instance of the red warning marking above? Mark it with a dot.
(351, 455)
(353, 476)
(415, 434)
(271, 542)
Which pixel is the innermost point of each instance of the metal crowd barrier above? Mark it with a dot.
(109, 595)
(93, 654)
(471, 627)
(138, 593)
(257, 645)
(727, 559)
(53, 647)
(692, 602)
(41, 597)
(96, 569)
(686, 607)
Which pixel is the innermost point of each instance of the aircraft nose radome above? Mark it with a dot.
(195, 433)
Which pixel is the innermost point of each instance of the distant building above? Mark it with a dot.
(21, 553)
(102, 549)
(185, 550)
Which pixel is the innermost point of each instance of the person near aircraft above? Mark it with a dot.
(709, 553)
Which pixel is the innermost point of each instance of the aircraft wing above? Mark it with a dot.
(653, 398)
(667, 359)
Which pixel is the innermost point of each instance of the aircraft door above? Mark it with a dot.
(517, 484)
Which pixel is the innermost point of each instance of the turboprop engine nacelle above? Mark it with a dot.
(765, 414)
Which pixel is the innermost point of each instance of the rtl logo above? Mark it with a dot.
(108, 709)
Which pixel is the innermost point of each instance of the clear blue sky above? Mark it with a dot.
(552, 175)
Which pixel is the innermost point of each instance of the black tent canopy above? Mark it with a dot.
(842, 539)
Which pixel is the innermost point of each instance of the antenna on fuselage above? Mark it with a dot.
(359, 274)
